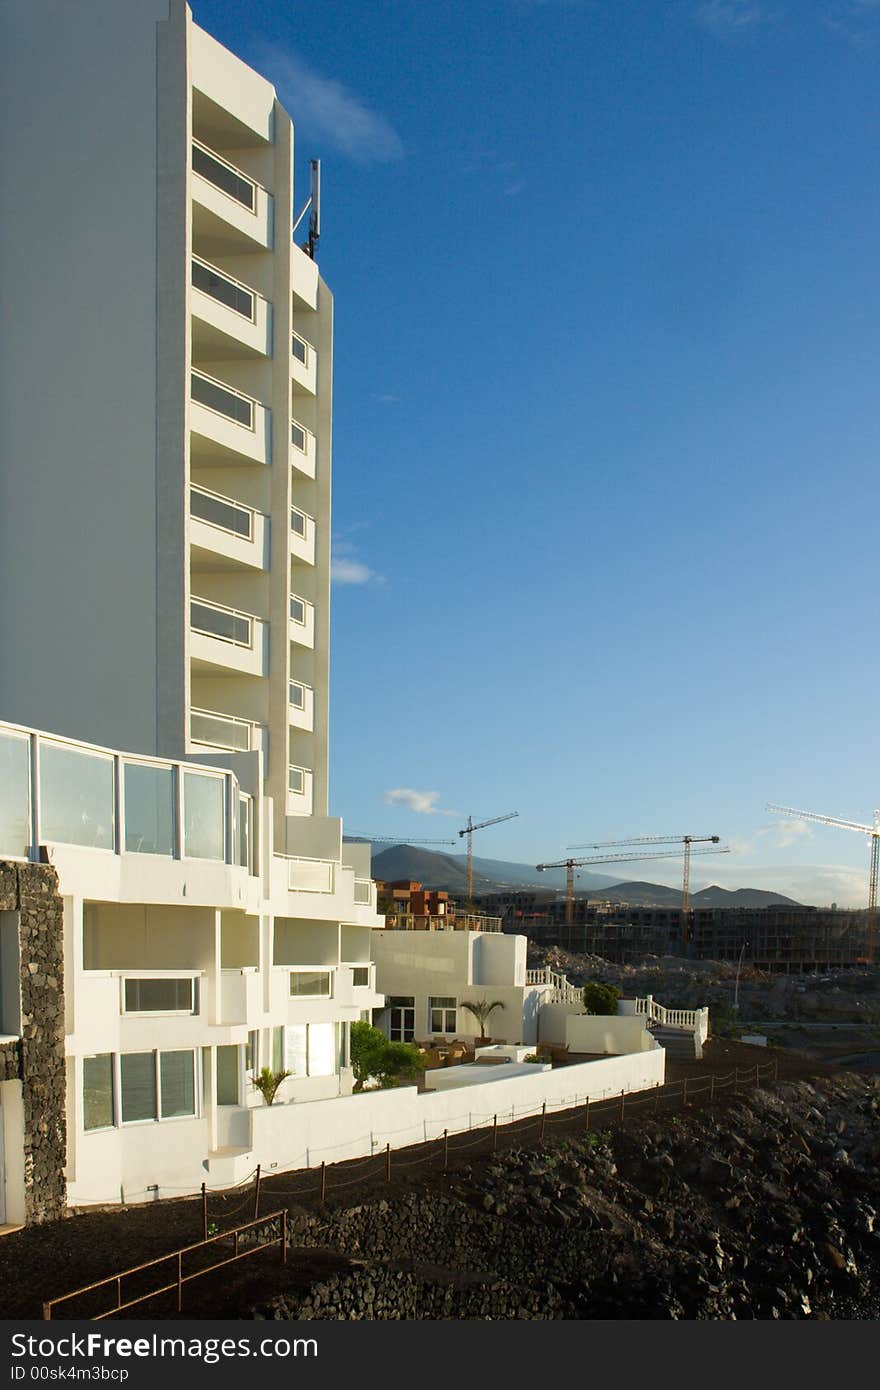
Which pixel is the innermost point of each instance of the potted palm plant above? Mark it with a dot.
(482, 1011)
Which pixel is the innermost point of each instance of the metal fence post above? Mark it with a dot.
(204, 1212)
(684, 1092)
(179, 1280)
(494, 1133)
(257, 1194)
(543, 1118)
(587, 1114)
(388, 1162)
(445, 1150)
(323, 1180)
(622, 1095)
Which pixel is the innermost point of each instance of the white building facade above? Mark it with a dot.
(164, 590)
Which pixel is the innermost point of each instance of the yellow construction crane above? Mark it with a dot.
(687, 840)
(873, 831)
(469, 830)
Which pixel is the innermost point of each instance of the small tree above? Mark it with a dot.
(599, 998)
(268, 1081)
(482, 1011)
(374, 1057)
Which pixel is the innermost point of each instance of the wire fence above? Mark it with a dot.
(573, 1115)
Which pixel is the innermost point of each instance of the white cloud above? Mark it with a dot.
(347, 568)
(732, 18)
(423, 803)
(330, 111)
(788, 832)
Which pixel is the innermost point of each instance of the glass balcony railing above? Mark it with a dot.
(221, 731)
(296, 695)
(299, 437)
(221, 512)
(224, 176)
(299, 522)
(300, 349)
(297, 610)
(213, 620)
(225, 400)
(223, 288)
(296, 779)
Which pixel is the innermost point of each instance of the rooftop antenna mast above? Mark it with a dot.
(313, 208)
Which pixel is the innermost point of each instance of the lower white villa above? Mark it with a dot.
(155, 952)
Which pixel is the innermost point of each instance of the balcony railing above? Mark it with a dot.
(224, 289)
(296, 695)
(222, 731)
(298, 610)
(224, 175)
(301, 350)
(227, 624)
(222, 512)
(363, 891)
(223, 399)
(296, 779)
(300, 436)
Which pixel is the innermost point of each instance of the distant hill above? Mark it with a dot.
(640, 894)
(449, 872)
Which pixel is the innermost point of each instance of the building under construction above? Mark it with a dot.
(776, 939)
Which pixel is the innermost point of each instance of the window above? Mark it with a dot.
(227, 1076)
(204, 816)
(297, 695)
(310, 985)
(77, 796)
(277, 1049)
(160, 996)
(360, 975)
(402, 1021)
(297, 610)
(98, 1109)
(244, 831)
(442, 1015)
(15, 801)
(177, 1084)
(252, 1052)
(149, 809)
(311, 1049)
(322, 1049)
(295, 1049)
(137, 1076)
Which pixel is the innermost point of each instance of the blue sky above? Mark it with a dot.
(605, 436)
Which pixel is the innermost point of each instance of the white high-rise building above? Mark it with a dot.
(165, 446)
(166, 401)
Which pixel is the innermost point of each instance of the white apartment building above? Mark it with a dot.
(166, 401)
(165, 461)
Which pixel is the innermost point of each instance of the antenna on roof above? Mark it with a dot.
(313, 202)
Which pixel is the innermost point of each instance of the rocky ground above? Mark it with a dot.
(766, 1209)
(757, 1205)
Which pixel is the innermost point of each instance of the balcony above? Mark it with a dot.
(229, 318)
(225, 638)
(303, 365)
(301, 706)
(311, 875)
(302, 621)
(299, 800)
(302, 535)
(304, 279)
(231, 211)
(210, 729)
(303, 449)
(230, 425)
(223, 528)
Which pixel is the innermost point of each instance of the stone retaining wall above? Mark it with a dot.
(31, 891)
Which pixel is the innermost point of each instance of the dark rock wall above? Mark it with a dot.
(31, 890)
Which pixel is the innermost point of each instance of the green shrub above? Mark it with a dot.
(374, 1057)
(599, 998)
